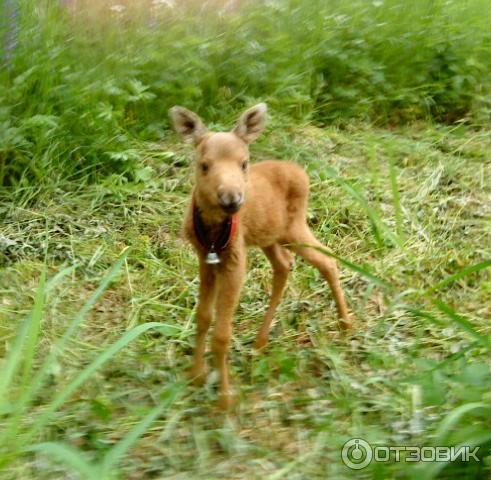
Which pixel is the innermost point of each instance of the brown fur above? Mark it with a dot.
(272, 217)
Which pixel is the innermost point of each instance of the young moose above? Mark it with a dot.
(234, 206)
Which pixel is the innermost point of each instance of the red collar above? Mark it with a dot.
(224, 237)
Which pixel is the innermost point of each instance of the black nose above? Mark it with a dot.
(230, 202)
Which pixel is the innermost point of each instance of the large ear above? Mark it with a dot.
(251, 123)
(187, 124)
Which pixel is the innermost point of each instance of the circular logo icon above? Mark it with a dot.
(356, 453)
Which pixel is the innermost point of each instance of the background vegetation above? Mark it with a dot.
(86, 84)
(387, 106)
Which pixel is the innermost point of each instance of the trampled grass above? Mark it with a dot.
(405, 212)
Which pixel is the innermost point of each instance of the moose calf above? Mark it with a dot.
(233, 206)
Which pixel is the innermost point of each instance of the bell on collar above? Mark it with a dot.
(212, 258)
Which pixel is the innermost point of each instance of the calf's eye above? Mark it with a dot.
(244, 165)
(204, 167)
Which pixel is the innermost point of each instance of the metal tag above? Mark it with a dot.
(212, 258)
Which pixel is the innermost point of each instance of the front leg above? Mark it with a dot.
(230, 278)
(207, 295)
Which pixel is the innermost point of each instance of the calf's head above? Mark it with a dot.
(222, 158)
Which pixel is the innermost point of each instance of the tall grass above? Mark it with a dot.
(85, 86)
(21, 381)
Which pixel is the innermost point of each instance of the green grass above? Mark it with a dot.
(386, 105)
(405, 212)
(84, 90)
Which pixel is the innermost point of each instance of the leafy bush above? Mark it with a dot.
(84, 86)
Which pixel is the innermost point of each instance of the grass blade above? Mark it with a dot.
(396, 198)
(462, 322)
(116, 452)
(13, 361)
(88, 371)
(33, 331)
(77, 320)
(58, 348)
(378, 224)
(460, 274)
(29, 331)
(352, 266)
(69, 456)
(453, 418)
(37, 381)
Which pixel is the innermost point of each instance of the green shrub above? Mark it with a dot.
(83, 91)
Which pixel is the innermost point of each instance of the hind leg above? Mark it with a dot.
(281, 260)
(326, 266)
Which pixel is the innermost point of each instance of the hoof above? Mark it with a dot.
(345, 323)
(198, 376)
(260, 343)
(226, 401)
